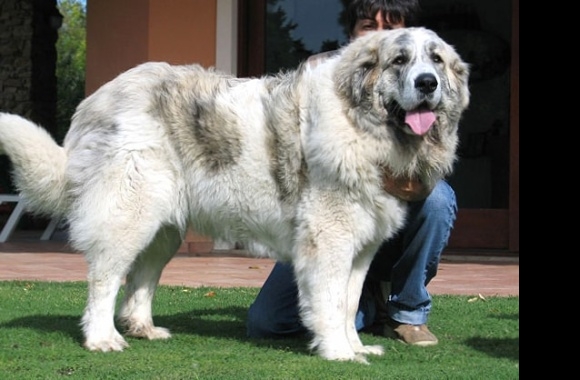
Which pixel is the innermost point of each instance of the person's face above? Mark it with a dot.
(363, 26)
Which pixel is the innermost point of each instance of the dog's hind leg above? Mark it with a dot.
(135, 313)
(105, 275)
(122, 249)
(120, 209)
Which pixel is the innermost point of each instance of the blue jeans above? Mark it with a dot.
(408, 261)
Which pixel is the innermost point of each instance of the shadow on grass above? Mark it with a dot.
(508, 348)
(69, 325)
(227, 323)
(230, 323)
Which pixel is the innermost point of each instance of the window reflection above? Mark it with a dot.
(297, 29)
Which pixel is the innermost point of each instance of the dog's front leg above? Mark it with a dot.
(322, 276)
(360, 268)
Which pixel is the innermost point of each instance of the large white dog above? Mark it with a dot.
(291, 165)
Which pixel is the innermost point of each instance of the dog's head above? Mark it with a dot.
(407, 83)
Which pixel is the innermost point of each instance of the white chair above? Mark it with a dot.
(15, 216)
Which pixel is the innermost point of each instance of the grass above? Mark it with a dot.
(40, 338)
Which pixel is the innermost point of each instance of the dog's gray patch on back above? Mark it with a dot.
(283, 123)
(185, 101)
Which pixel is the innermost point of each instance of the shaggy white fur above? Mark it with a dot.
(290, 165)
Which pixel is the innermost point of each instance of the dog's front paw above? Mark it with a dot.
(353, 357)
(148, 332)
(343, 355)
(115, 344)
(159, 333)
(372, 350)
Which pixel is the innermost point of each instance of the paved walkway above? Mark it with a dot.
(31, 259)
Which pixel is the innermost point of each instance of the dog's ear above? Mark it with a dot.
(356, 71)
(460, 70)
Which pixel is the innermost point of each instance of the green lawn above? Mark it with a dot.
(40, 338)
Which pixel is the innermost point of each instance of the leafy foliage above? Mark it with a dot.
(71, 62)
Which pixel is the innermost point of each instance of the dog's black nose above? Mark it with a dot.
(426, 83)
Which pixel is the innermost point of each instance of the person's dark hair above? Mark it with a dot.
(397, 10)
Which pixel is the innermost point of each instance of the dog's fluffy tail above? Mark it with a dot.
(38, 164)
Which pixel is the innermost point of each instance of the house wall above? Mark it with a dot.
(124, 33)
(28, 33)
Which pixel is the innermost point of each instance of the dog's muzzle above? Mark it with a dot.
(426, 83)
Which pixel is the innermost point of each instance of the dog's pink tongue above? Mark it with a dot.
(420, 121)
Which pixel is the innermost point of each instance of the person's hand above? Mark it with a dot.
(404, 188)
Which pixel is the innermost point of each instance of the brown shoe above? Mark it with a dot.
(410, 334)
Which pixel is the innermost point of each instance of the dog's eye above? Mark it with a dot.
(400, 60)
(436, 58)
